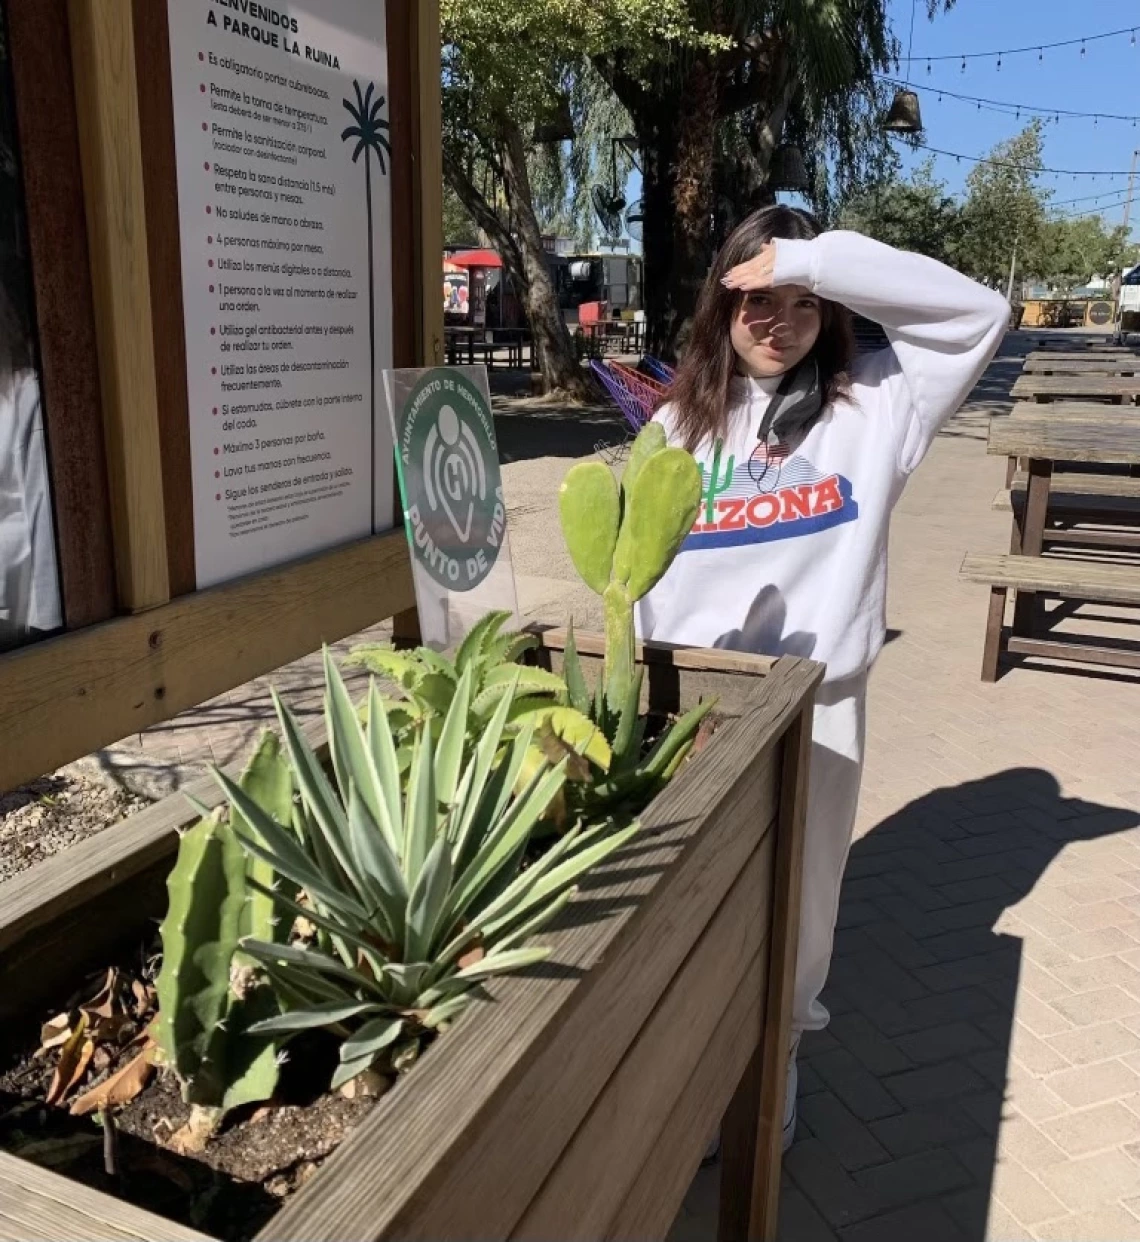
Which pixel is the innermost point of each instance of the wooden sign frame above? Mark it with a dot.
(102, 212)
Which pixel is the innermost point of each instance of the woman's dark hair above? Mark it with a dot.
(699, 394)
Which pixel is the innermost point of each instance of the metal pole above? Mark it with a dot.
(1131, 186)
(1012, 269)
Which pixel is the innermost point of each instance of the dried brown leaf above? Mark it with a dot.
(120, 1088)
(102, 1004)
(144, 998)
(119, 1028)
(74, 1057)
(55, 1032)
(473, 955)
(196, 1133)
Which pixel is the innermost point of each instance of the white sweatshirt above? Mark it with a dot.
(788, 555)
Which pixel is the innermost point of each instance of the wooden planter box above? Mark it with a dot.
(578, 1105)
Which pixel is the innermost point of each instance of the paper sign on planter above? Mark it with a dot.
(455, 516)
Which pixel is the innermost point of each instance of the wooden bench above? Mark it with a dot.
(1054, 436)
(1116, 389)
(1050, 576)
(1084, 505)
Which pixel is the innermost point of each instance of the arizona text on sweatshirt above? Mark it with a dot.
(788, 555)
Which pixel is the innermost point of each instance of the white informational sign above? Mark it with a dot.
(281, 132)
(455, 514)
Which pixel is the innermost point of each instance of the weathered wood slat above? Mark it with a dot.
(37, 1205)
(106, 96)
(651, 1204)
(1115, 584)
(67, 697)
(730, 677)
(544, 1050)
(587, 1186)
(1087, 484)
(1077, 411)
(1073, 649)
(1056, 438)
(1109, 353)
(1062, 364)
(40, 57)
(1077, 387)
(1102, 345)
(752, 1169)
(1068, 501)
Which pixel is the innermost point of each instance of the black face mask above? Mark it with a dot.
(795, 406)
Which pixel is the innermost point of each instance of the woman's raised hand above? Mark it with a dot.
(755, 274)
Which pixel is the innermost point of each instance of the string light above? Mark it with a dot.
(1039, 48)
(1036, 170)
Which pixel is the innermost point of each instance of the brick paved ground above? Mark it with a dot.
(981, 1075)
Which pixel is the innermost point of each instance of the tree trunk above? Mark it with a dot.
(677, 147)
(556, 357)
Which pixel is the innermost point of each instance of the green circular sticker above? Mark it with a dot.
(453, 492)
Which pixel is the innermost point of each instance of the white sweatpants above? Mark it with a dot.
(838, 732)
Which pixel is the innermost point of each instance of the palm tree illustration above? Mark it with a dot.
(371, 134)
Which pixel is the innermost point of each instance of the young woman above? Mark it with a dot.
(804, 453)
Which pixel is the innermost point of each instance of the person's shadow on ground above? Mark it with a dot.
(902, 1098)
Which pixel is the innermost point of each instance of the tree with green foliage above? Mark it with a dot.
(710, 92)
(510, 69)
(1077, 250)
(1004, 211)
(738, 79)
(917, 214)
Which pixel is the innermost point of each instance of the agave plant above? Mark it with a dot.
(416, 887)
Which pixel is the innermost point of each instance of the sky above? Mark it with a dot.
(1098, 81)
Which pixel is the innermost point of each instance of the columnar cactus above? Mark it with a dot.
(622, 543)
(202, 998)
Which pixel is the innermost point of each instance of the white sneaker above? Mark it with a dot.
(793, 1084)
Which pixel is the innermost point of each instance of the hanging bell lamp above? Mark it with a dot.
(905, 116)
(787, 170)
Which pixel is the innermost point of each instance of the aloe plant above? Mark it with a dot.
(415, 886)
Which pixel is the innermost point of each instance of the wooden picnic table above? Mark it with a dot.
(628, 332)
(1057, 435)
(1117, 389)
(469, 340)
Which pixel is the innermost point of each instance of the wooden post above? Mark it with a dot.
(1027, 610)
(754, 1124)
(103, 57)
(429, 183)
(428, 197)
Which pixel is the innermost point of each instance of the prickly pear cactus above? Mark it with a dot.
(590, 509)
(622, 545)
(205, 1001)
